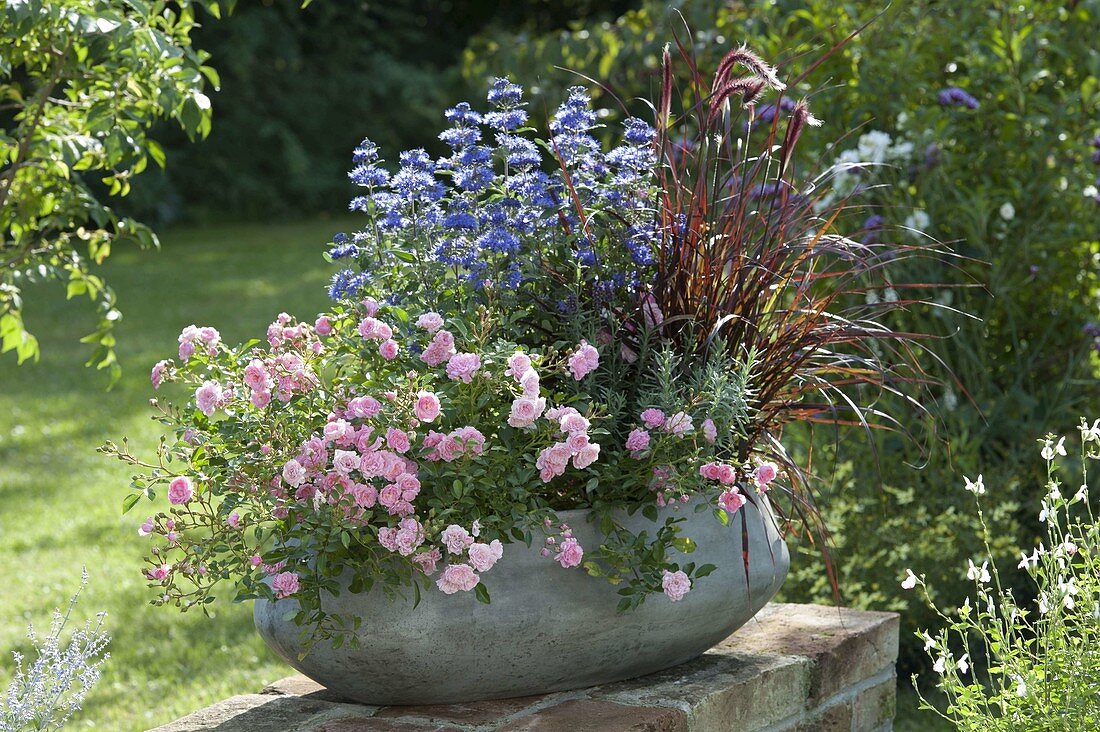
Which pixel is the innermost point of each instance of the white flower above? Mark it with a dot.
(929, 641)
(1044, 608)
(890, 294)
(1050, 449)
(940, 665)
(1091, 191)
(910, 580)
(963, 663)
(964, 611)
(871, 297)
(917, 222)
(1090, 434)
(1082, 493)
(1069, 547)
(1068, 588)
(1033, 560)
(981, 574)
(976, 487)
(1008, 212)
(873, 146)
(1021, 687)
(1045, 513)
(950, 401)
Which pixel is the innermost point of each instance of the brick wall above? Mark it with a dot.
(795, 668)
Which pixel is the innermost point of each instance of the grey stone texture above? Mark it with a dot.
(546, 629)
(794, 668)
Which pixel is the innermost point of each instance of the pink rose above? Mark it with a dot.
(180, 490)
(390, 495)
(409, 537)
(456, 539)
(653, 418)
(577, 441)
(710, 471)
(159, 573)
(157, 374)
(427, 406)
(764, 474)
(710, 432)
(430, 322)
(208, 397)
(365, 496)
(370, 306)
(294, 473)
(256, 377)
(518, 363)
(675, 585)
(147, 528)
(366, 407)
(637, 441)
(484, 556)
(463, 366)
(371, 328)
(569, 553)
(529, 382)
(427, 561)
(285, 584)
(388, 349)
(323, 326)
(586, 456)
(397, 440)
(574, 423)
(525, 411)
(731, 501)
(234, 520)
(387, 537)
(726, 474)
(345, 461)
(456, 578)
(440, 349)
(584, 360)
(679, 424)
(260, 399)
(470, 438)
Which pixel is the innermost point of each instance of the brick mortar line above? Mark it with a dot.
(546, 702)
(847, 695)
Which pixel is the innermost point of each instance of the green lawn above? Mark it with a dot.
(60, 502)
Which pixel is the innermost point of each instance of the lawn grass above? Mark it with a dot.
(60, 502)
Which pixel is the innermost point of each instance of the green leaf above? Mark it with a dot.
(481, 593)
(130, 501)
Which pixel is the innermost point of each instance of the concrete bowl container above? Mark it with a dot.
(547, 628)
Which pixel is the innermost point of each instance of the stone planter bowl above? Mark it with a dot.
(547, 628)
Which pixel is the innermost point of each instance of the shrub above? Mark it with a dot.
(1042, 668)
(45, 693)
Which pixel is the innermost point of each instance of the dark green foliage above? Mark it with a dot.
(300, 88)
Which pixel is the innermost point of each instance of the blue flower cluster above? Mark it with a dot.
(503, 204)
(953, 96)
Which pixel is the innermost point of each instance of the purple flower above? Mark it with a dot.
(953, 96)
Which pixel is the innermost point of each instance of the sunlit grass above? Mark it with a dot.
(60, 502)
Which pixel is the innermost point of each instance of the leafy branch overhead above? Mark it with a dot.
(82, 82)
